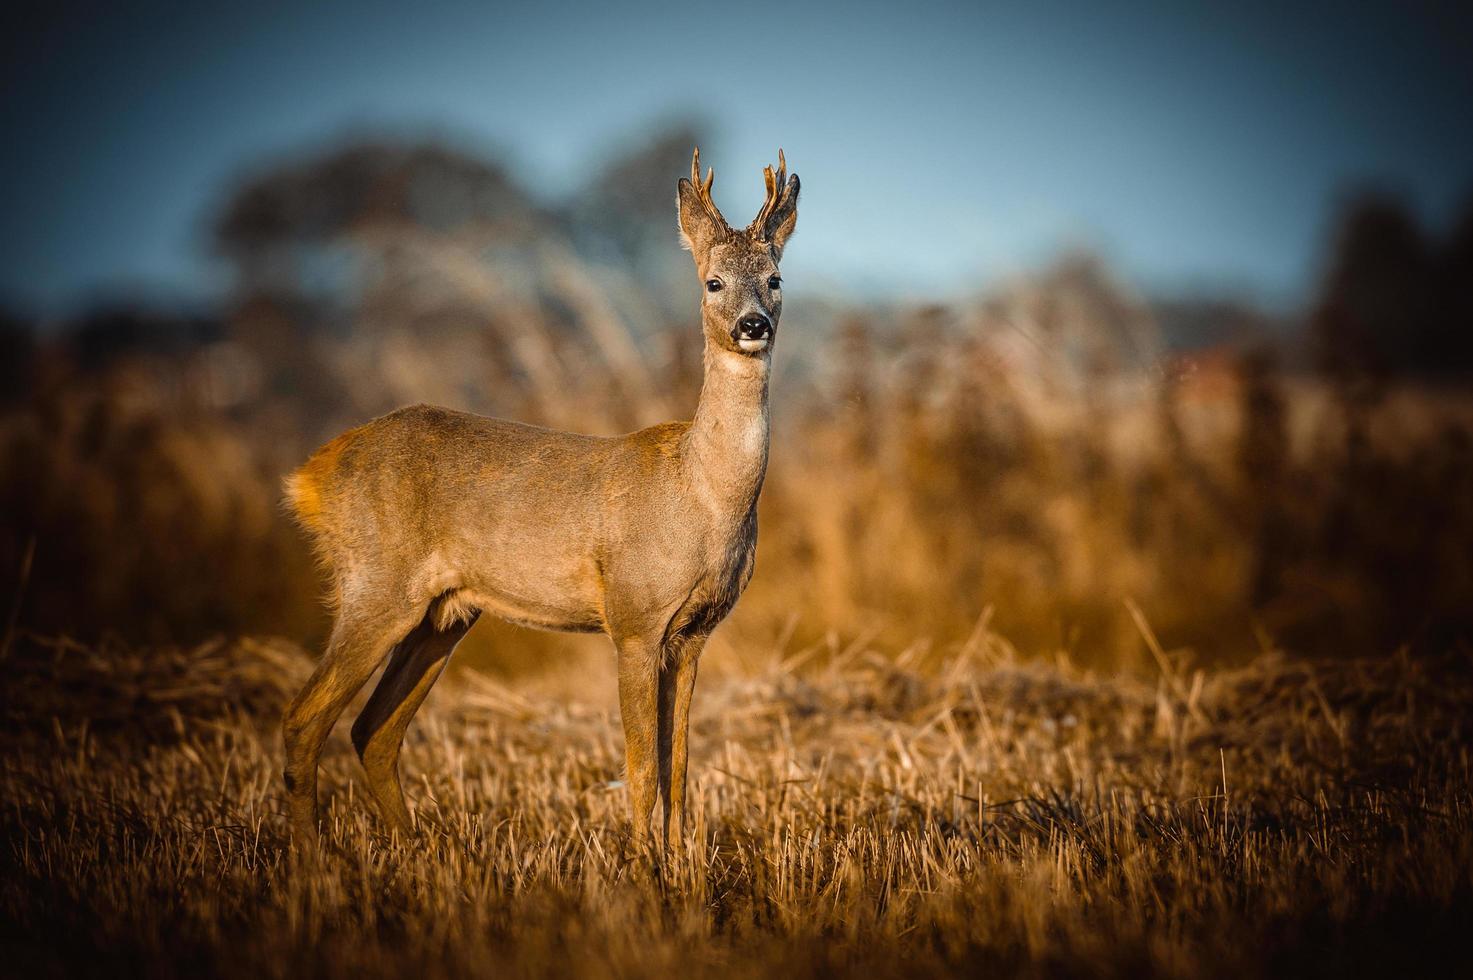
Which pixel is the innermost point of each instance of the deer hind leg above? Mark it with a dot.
(677, 685)
(378, 732)
(359, 642)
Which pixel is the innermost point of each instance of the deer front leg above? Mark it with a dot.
(677, 685)
(639, 665)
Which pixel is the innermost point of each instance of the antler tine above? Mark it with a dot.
(703, 187)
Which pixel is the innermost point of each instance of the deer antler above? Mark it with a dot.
(703, 187)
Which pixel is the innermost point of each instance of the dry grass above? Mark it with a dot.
(917, 478)
(856, 814)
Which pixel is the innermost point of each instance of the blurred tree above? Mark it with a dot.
(272, 224)
(1450, 337)
(17, 349)
(379, 273)
(625, 215)
(1390, 301)
(357, 263)
(104, 335)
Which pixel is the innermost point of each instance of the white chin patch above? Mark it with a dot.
(751, 346)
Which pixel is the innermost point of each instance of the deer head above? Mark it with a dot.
(741, 290)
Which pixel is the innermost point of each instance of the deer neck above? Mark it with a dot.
(728, 438)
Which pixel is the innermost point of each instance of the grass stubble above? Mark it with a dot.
(853, 814)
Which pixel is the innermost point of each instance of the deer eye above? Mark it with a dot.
(776, 282)
(713, 285)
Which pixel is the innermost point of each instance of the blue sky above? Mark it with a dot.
(940, 144)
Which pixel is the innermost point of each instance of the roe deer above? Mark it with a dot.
(428, 517)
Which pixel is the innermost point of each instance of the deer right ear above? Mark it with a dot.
(701, 224)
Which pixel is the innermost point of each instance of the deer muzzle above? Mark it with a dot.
(753, 332)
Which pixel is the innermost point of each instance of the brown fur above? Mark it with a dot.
(427, 517)
(304, 487)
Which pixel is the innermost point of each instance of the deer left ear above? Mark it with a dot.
(779, 214)
(785, 218)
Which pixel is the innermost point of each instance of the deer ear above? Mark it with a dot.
(697, 229)
(784, 218)
(779, 214)
(701, 224)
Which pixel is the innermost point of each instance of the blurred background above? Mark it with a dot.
(1090, 306)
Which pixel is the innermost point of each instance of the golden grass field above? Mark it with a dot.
(856, 812)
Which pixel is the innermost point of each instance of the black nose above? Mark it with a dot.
(753, 327)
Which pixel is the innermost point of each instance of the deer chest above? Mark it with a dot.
(723, 582)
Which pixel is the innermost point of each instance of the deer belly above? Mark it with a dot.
(537, 591)
(532, 611)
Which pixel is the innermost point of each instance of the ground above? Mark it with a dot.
(856, 812)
